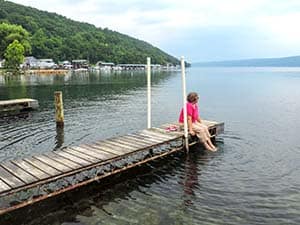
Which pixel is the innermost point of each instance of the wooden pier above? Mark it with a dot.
(16, 105)
(32, 179)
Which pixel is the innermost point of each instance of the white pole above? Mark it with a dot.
(149, 91)
(184, 104)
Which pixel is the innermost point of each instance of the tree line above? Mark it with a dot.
(49, 35)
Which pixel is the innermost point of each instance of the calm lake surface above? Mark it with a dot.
(254, 178)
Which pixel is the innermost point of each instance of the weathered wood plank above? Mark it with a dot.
(175, 134)
(33, 170)
(156, 135)
(91, 153)
(59, 166)
(9, 179)
(16, 101)
(42, 166)
(112, 145)
(4, 186)
(106, 149)
(7, 106)
(81, 155)
(102, 154)
(63, 160)
(74, 158)
(18, 172)
(161, 132)
(113, 142)
(141, 139)
(112, 148)
(125, 141)
(152, 138)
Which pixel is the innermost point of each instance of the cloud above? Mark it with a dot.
(220, 29)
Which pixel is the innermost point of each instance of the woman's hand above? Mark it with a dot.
(192, 132)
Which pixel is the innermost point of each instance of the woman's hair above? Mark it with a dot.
(192, 97)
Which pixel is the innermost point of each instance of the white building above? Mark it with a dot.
(46, 64)
(67, 65)
(1, 63)
(30, 62)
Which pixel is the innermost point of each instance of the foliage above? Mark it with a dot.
(14, 55)
(55, 36)
(9, 33)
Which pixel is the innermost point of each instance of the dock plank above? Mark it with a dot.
(141, 139)
(81, 155)
(131, 143)
(104, 149)
(151, 138)
(176, 133)
(156, 135)
(59, 166)
(162, 132)
(33, 170)
(113, 142)
(42, 166)
(74, 158)
(142, 144)
(4, 186)
(120, 151)
(9, 179)
(17, 105)
(102, 154)
(91, 153)
(63, 160)
(18, 172)
(16, 101)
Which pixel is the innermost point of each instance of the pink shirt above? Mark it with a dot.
(192, 110)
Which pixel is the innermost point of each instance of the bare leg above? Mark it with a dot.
(207, 147)
(204, 136)
(211, 144)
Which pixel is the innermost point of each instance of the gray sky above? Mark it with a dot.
(200, 30)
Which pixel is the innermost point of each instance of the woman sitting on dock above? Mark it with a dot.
(194, 122)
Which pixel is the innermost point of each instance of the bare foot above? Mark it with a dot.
(207, 147)
(211, 145)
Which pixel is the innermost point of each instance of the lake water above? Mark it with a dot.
(254, 178)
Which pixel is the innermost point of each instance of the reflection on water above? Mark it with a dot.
(59, 138)
(252, 179)
(190, 181)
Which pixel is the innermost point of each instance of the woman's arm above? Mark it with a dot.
(190, 125)
(199, 119)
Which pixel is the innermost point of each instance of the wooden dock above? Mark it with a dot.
(16, 105)
(32, 179)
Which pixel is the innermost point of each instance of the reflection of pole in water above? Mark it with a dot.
(191, 176)
(190, 179)
(60, 137)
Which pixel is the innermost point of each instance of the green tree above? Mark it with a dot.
(9, 33)
(14, 55)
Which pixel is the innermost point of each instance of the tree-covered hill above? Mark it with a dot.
(60, 38)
